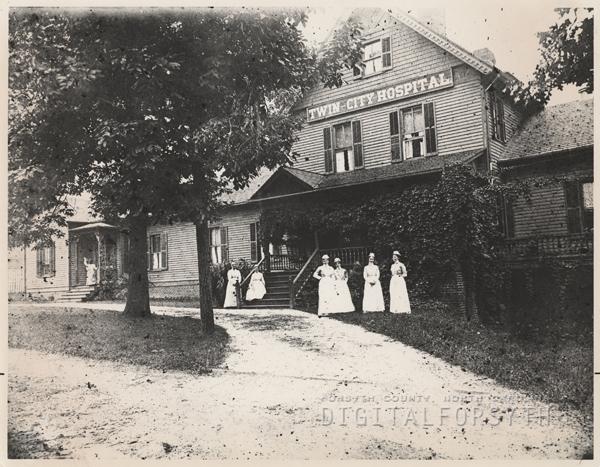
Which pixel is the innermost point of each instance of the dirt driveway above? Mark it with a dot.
(294, 386)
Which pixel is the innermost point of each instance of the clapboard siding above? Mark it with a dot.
(458, 121)
(543, 214)
(412, 56)
(182, 258)
(238, 222)
(60, 280)
(512, 121)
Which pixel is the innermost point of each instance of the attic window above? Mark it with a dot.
(377, 57)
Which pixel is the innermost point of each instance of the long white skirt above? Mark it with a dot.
(327, 296)
(399, 302)
(373, 297)
(343, 300)
(256, 291)
(230, 296)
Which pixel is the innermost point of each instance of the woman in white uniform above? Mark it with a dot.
(343, 301)
(399, 302)
(324, 274)
(234, 276)
(256, 288)
(373, 295)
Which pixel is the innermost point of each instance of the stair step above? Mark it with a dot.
(278, 293)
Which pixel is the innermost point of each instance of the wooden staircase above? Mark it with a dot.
(76, 294)
(278, 291)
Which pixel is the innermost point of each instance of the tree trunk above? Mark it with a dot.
(204, 279)
(138, 298)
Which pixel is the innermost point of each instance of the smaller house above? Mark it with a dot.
(555, 150)
(549, 245)
(58, 270)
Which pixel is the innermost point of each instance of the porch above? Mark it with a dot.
(98, 243)
(543, 247)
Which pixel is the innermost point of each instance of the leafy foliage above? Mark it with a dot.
(156, 115)
(449, 224)
(567, 57)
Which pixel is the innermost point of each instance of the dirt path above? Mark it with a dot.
(293, 386)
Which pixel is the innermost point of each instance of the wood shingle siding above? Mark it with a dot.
(543, 214)
(512, 119)
(458, 123)
(412, 56)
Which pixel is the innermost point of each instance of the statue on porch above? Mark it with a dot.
(90, 272)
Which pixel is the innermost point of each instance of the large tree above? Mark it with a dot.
(164, 112)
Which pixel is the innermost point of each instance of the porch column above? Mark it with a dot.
(101, 254)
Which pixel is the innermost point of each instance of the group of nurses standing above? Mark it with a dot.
(334, 294)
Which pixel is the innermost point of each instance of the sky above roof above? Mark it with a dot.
(508, 29)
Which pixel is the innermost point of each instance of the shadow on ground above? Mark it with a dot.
(160, 342)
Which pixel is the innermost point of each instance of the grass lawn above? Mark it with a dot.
(554, 363)
(161, 342)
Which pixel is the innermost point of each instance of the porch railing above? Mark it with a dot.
(284, 262)
(549, 246)
(347, 255)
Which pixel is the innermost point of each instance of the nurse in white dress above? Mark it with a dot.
(234, 276)
(373, 295)
(343, 301)
(256, 288)
(324, 274)
(399, 302)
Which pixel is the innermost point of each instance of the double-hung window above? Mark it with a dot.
(157, 252)
(377, 56)
(45, 260)
(580, 206)
(219, 252)
(413, 132)
(343, 147)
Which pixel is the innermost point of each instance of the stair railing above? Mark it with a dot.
(301, 278)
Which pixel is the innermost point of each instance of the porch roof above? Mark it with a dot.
(94, 226)
(314, 182)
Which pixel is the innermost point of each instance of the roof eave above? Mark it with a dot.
(523, 160)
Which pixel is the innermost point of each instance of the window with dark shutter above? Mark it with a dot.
(164, 243)
(39, 262)
(254, 243)
(395, 137)
(430, 141)
(497, 112)
(357, 144)
(573, 204)
(328, 150)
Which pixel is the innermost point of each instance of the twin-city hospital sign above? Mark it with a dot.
(402, 90)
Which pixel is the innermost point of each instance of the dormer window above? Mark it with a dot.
(377, 57)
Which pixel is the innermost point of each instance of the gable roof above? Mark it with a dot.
(315, 182)
(445, 43)
(557, 128)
